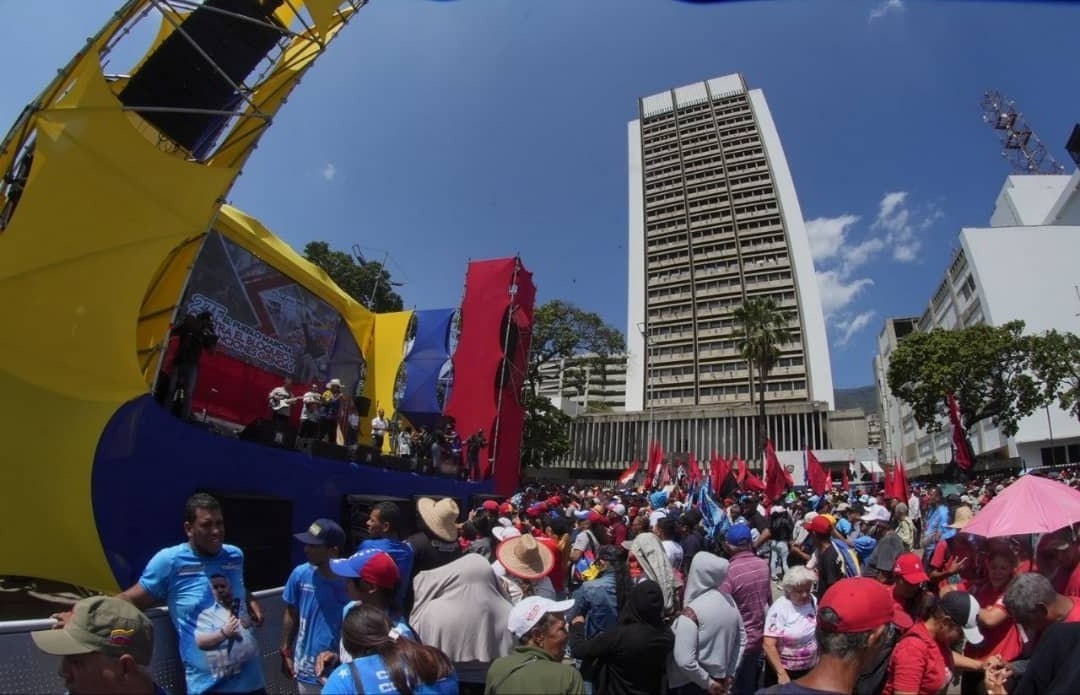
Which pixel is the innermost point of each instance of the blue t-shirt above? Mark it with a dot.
(375, 678)
(401, 553)
(319, 602)
(182, 578)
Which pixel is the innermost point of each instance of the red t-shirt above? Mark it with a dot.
(557, 576)
(1072, 583)
(901, 617)
(1003, 640)
(1074, 614)
(918, 664)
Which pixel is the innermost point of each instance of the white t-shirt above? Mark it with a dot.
(674, 553)
(793, 628)
(378, 425)
(312, 400)
(281, 396)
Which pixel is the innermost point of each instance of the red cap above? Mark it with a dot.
(632, 512)
(861, 604)
(506, 508)
(490, 506)
(820, 525)
(554, 500)
(909, 567)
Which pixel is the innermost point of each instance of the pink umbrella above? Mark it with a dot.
(1032, 504)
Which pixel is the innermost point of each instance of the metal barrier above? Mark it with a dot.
(25, 669)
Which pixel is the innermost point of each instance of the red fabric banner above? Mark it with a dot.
(499, 297)
(777, 480)
(818, 478)
(959, 436)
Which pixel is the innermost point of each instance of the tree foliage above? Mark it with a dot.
(546, 435)
(1055, 360)
(561, 330)
(988, 368)
(357, 278)
(763, 328)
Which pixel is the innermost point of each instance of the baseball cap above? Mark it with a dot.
(820, 524)
(861, 604)
(963, 609)
(909, 567)
(738, 534)
(619, 508)
(527, 613)
(506, 508)
(322, 532)
(490, 506)
(588, 515)
(375, 567)
(102, 625)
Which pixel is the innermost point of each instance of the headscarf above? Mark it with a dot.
(644, 605)
(444, 592)
(654, 562)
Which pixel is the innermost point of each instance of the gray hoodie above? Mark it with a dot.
(713, 646)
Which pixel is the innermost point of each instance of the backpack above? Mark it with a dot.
(578, 573)
(849, 561)
(872, 680)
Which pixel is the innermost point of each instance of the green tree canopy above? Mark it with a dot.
(988, 368)
(546, 435)
(561, 330)
(357, 278)
(1056, 362)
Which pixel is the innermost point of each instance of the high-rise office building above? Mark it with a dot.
(714, 221)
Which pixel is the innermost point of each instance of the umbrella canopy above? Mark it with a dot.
(1030, 505)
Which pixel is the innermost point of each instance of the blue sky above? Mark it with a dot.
(444, 131)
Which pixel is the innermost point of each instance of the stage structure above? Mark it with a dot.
(112, 228)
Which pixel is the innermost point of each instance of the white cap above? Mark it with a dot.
(619, 509)
(503, 533)
(527, 613)
(877, 513)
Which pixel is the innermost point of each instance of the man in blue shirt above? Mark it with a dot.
(384, 533)
(181, 576)
(314, 597)
(937, 522)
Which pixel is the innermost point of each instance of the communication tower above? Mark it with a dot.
(1019, 143)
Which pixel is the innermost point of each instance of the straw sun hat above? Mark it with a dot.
(525, 558)
(440, 517)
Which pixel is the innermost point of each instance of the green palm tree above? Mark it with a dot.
(763, 329)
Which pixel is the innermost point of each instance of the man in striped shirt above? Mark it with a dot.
(748, 584)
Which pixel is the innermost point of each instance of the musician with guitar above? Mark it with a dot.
(281, 400)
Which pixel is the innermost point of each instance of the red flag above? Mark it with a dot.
(817, 477)
(844, 483)
(695, 470)
(959, 436)
(777, 480)
(752, 483)
(656, 457)
(903, 488)
(741, 472)
(890, 475)
(626, 476)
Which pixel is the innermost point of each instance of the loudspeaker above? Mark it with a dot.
(262, 526)
(270, 433)
(363, 406)
(326, 450)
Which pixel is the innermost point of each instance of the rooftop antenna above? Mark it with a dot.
(1019, 144)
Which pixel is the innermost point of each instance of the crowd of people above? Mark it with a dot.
(594, 590)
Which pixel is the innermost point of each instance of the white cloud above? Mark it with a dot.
(329, 171)
(827, 235)
(886, 7)
(837, 290)
(902, 223)
(850, 325)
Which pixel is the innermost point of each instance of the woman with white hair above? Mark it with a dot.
(790, 645)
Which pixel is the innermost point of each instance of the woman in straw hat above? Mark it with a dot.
(436, 543)
(524, 565)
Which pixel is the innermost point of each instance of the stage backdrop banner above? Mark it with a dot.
(266, 321)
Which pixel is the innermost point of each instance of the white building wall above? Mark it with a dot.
(635, 299)
(1039, 287)
(996, 284)
(819, 367)
(1027, 199)
(1067, 208)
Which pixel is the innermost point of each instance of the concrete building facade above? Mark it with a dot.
(1009, 271)
(713, 221)
(577, 385)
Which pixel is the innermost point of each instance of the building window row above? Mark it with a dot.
(778, 276)
(968, 288)
(959, 265)
(668, 276)
(652, 162)
(663, 198)
(793, 385)
(715, 268)
(753, 193)
(707, 136)
(758, 209)
(676, 225)
(664, 243)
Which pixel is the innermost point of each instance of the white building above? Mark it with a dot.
(714, 221)
(1022, 267)
(577, 385)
